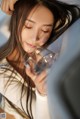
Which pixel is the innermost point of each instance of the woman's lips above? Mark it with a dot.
(31, 45)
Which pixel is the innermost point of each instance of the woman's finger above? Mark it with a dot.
(41, 87)
(2, 5)
(12, 2)
(5, 6)
(41, 76)
(30, 74)
(39, 80)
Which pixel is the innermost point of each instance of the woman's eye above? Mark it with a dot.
(45, 31)
(28, 26)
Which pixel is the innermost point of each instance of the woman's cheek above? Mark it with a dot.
(43, 41)
(23, 35)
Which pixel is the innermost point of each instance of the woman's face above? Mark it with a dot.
(37, 28)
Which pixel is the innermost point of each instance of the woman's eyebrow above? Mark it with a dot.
(30, 20)
(50, 25)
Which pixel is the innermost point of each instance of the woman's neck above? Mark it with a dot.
(14, 56)
(15, 60)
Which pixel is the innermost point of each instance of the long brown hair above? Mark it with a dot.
(61, 13)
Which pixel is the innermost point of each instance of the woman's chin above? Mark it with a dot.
(29, 50)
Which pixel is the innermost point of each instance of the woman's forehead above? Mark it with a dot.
(42, 14)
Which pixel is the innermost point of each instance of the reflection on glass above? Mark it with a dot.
(40, 60)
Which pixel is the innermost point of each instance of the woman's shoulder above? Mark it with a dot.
(3, 62)
(6, 71)
(4, 65)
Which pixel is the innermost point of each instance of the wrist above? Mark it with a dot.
(41, 96)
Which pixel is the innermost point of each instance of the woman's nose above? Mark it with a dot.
(35, 36)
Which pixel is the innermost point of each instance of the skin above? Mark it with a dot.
(38, 26)
(8, 6)
(36, 31)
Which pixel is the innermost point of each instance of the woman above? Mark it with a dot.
(24, 91)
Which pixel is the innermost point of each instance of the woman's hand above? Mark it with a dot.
(39, 80)
(7, 6)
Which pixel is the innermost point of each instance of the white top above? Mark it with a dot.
(13, 93)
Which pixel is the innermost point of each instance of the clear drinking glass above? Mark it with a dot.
(40, 60)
